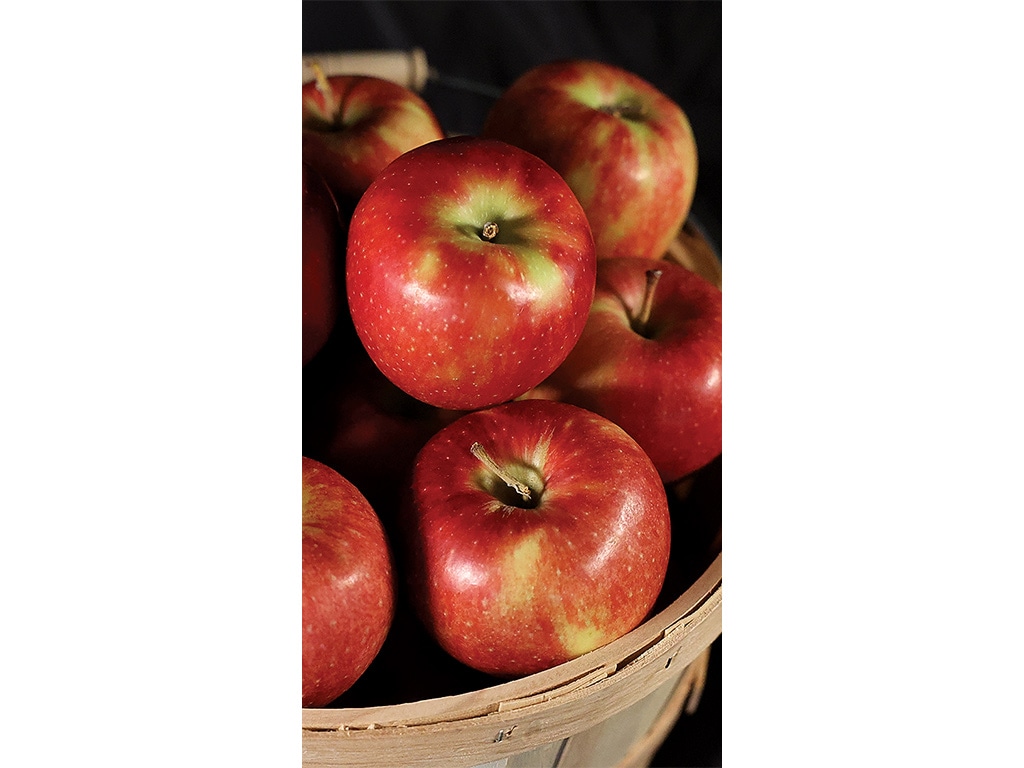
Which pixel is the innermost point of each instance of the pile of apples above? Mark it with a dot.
(504, 376)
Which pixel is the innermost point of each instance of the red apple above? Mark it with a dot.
(656, 371)
(348, 588)
(470, 270)
(360, 424)
(354, 125)
(626, 150)
(320, 239)
(536, 532)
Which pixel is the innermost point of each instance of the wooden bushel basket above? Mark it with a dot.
(611, 707)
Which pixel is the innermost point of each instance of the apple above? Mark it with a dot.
(470, 269)
(535, 531)
(625, 148)
(650, 360)
(354, 125)
(360, 424)
(320, 240)
(348, 584)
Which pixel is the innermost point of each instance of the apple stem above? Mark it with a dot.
(490, 231)
(644, 316)
(521, 488)
(324, 87)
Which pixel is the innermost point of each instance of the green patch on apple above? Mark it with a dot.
(578, 639)
(587, 89)
(427, 268)
(520, 570)
(582, 180)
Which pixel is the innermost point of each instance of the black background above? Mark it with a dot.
(677, 46)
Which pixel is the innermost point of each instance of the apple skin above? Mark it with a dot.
(320, 239)
(635, 173)
(376, 121)
(510, 591)
(453, 319)
(348, 584)
(663, 387)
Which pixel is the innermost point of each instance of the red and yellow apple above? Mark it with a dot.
(650, 360)
(354, 125)
(470, 270)
(625, 148)
(535, 532)
(348, 584)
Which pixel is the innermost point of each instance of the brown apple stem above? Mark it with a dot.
(490, 231)
(324, 87)
(644, 316)
(521, 488)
